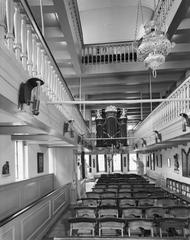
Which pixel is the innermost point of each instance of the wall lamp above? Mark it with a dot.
(68, 127)
(144, 144)
(158, 137)
(186, 121)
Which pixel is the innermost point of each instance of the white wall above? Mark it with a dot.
(168, 172)
(33, 149)
(7, 154)
(63, 165)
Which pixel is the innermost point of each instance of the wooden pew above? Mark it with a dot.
(108, 211)
(172, 227)
(132, 212)
(140, 227)
(85, 211)
(111, 226)
(82, 226)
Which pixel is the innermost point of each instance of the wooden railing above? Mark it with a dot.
(123, 52)
(21, 36)
(109, 53)
(178, 187)
(167, 112)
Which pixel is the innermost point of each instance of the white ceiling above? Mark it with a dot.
(112, 20)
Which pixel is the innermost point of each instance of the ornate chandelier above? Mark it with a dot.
(154, 46)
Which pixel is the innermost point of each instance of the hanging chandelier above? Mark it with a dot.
(154, 46)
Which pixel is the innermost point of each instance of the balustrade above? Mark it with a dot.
(109, 53)
(20, 38)
(167, 112)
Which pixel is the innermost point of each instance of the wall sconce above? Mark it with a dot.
(135, 146)
(144, 144)
(158, 137)
(186, 121)
(68, 127)
(26, 96)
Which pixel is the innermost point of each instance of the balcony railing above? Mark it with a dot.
(167, 112)
(21, 36)
(109, 53)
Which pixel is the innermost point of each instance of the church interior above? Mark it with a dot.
(94, 119)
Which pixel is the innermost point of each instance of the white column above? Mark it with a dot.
(29, 49)
(17, 29)
(2, 20)
(23, 42)
(9, 18)
(34, 55)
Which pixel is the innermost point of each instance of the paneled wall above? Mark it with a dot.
(168, 170)
(17, 195)
(33, 149)
(34, 223)
(7, 154)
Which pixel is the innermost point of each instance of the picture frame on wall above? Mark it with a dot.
(40, 162)
(5, 169)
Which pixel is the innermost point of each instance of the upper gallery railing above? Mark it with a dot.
(21, 36)
(109, 53)
(167, 112)
(123, 52)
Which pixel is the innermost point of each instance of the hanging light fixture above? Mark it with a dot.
(154, 45)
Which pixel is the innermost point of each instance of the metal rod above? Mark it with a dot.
(118, 138)
(120, 101)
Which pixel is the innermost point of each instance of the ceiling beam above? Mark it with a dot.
(132, 67)
(180, 14)
(66, 29)
(143, 88)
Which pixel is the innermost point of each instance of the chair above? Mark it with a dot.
(172, 227)
(108, 194)
(85, 211)
(145, 202)
(93, 194)
(108, 212)
(98, 190)
(179, 211)
(165, 202)
(108, 202)
(82, 226)
(155, 212)
(124, 195)
(140, 227)
(111, 226)
(90, 202)
(126, 202)
(131, 212)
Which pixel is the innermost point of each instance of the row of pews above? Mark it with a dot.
(129, 205)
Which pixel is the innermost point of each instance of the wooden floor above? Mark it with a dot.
(60, 228)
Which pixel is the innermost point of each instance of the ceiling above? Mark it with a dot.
(105, 21)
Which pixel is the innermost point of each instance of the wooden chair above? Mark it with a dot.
(107, 194)
(111, 226)
(90, 202)
(172, 227)
(93, 194)
(108, 212)
(108, 202)
(84, 211)
(132, 212)
(140, 227)
(165, 202)
(82, 226)
(98, 190)
(126, 202)
(179, 211)
(145, 202)
(124, 195)
(155, 212)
